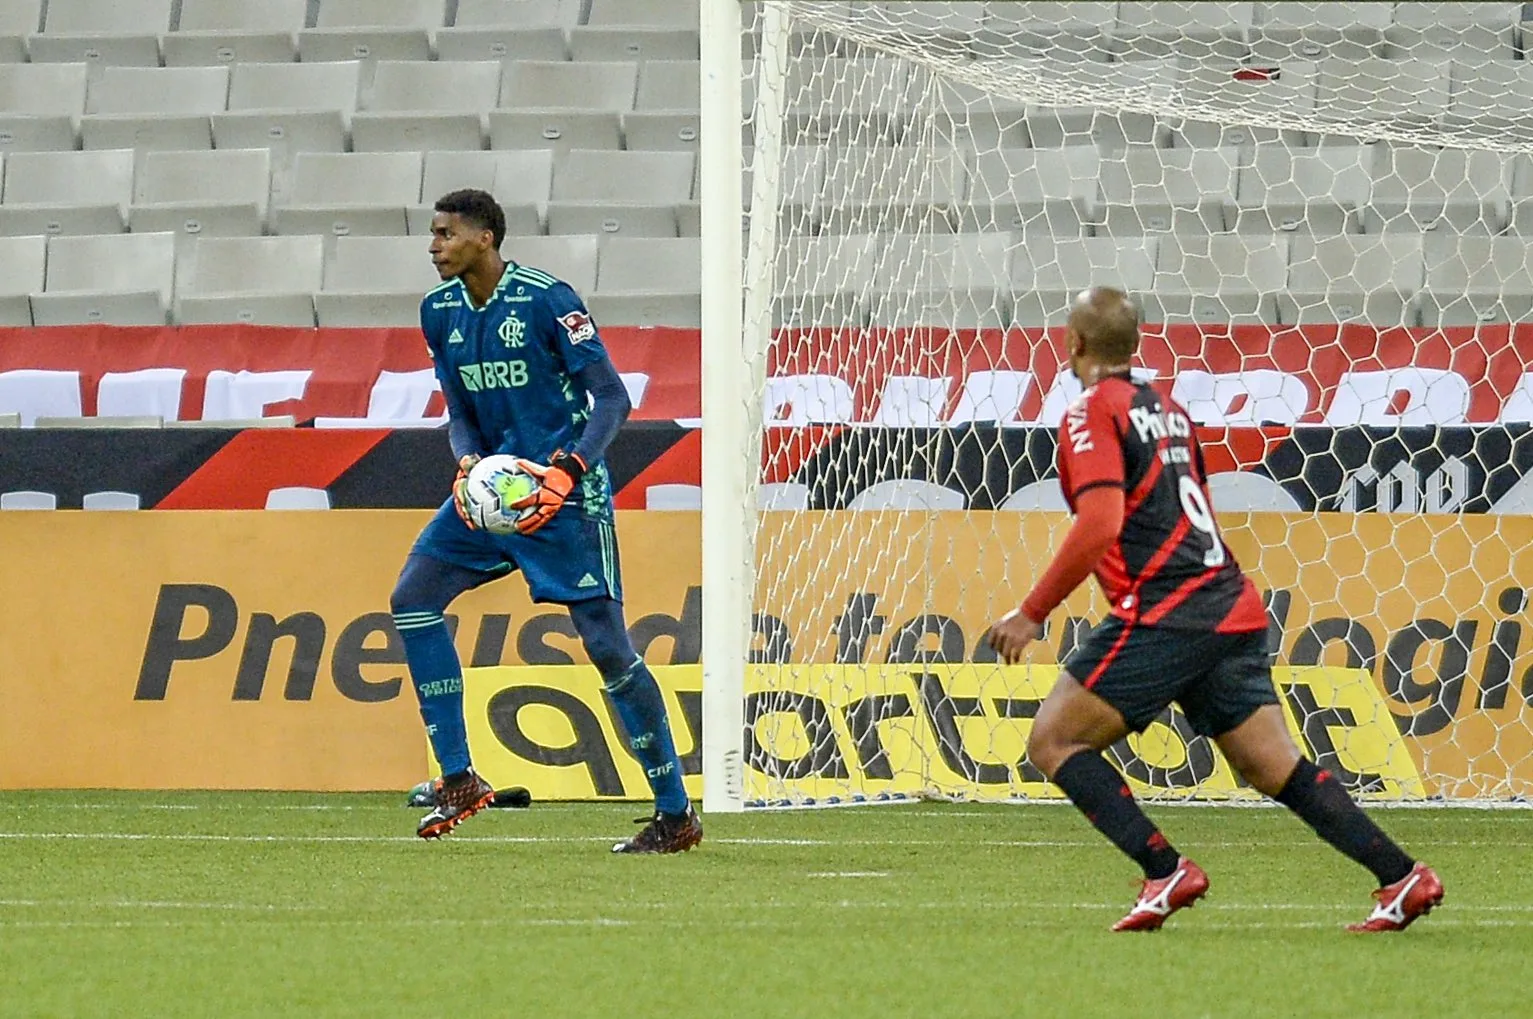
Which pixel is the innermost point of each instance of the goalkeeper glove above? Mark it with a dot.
(460, 488)
(559, 479)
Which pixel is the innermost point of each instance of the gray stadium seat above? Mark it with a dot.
(120, 33)
(67, 192)
(1492, 96)
(662, 130)
(1078, 29)
(633, 43)
(669, 85)
(1229, 278)
(876, 189)
(520, 181)
(1053, 126)
(559, 130)
(22, 260)
(1242, 93)
(644, 177)
(108, 421)
(958, 279)
(823, 280)
(501, 44)
(375, 281)
(1472, 31)
(372, 30)
(1470, 280)
(120, 279)
(652, 13)
(1414, 189)
(41, 103)
(427, 106)
(18, 19)
(1352, 277)
(11, 420)
(1373, 88)
(222, 193)
(1199, 31)
(110, 501)
(235, 31)
(155, 108)
(859, 100)
(262, 280)
(350, 193)
(1046, 272)
(1180, 191)
(613, 219)
(1052, 191)
(1313, 31)
(518, 13)
(289, 108)
(552, 85)
(298, 497)
(28, 500)
(571, 259)
(1314, 191)
(649, 282)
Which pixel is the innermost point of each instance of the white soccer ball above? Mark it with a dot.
(494, 485)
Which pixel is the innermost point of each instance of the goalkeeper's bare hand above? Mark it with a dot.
(460, 488)
(1011, 634)
(559, 479)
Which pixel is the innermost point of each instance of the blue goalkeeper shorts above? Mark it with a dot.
(569, 559)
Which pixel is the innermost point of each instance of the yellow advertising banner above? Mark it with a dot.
(829, 733)
(255, 649)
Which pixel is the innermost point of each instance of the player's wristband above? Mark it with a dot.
(571, 464)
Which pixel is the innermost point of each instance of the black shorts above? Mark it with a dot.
(1219, 679)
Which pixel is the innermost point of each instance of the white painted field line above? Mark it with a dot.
(848, 873)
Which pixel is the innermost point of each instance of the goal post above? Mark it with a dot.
(1321, 210)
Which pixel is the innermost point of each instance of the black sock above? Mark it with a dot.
(1324, 805)
(1096, 788)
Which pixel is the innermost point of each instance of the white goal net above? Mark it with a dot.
(1322, 210)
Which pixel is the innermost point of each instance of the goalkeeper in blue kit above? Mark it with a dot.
(524, 372)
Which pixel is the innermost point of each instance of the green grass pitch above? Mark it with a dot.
(233, 905)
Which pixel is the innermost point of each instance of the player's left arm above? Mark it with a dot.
(586, 359)
(1094, 453)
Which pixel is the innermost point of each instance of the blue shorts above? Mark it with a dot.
(571, 558)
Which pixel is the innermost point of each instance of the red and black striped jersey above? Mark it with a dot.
(1169, 565)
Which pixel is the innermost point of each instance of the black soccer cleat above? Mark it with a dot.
(664, 833)
(456, 802)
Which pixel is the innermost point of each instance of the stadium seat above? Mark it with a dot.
(641, 177)
(1052, 191)
(1199, 31)
(1046, 272)
(18, 20)
(350, 193)
(874, 189)
(28, 500)
(1278, 90)
(40, 103)
(662, 130)
(1053, 126)
(571, 259)
(1039, 495)
(1314, 31)
(121, 279)
(1492, 96)
(1078, 30)
(289, 108)
(477, 14)
(427, 106)
(907, 494)
(35, 392)
(1415, 190)
(554, 85)
(649, 282)
(1309, 191)
(669, 85)
(22, 261)
(859, 100)
(673, 497)
(520, 181)
(652, 13)
(67, 192)
(147, 391)
(1470, 280)
(558, 130)
(1352, 277)
(109, 500)
(455, 44)
(1229, 278)
(222, 193)
(372, 30)
(155, 108)
(1472, 31)
(959, 280)
(235, 32)
(298, 497)
(1179, 191)
(240, 424)
(1376, 89)
(782, 495)
(120, 33)
(375, 281)
(11, 420)
(100, 421)
(261, 280)
(608, 219)
(633, 43)
(822, 280)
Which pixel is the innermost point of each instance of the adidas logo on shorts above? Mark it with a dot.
(588, 581)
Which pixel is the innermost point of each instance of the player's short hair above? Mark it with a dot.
(477, 207)
(1107, 321)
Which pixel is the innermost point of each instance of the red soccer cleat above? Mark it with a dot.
(1160, 898)
(1401, 903)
